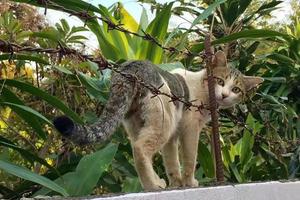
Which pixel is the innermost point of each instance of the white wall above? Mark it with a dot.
(253, 191)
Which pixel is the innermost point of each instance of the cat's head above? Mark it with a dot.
(231, 85)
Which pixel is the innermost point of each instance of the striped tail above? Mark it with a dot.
(121, 95)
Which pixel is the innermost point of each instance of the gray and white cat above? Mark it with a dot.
(156, 124)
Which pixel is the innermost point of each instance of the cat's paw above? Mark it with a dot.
(161, 183)
(191, 182)
(175, 183)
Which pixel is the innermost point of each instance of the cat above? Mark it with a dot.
(154, 123)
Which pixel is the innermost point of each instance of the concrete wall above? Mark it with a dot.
(253, 191)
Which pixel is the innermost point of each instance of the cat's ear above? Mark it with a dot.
(219, 59)
(252, 82)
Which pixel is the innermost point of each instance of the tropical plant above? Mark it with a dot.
(259, 138)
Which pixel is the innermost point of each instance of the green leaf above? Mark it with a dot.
(158, 30)
(76, 37)
(126, 19)
(268, 6)
(88, 171)
(45, 96)
(207, 12)
(254, 33)
(65, 25)
(206, 160)
(275, 79)
(246, 147)
(26, 174)
(131, 185)
(31, 120)
(96, 87)
(281, 58)
(63, 69)
(49, 33)
(26, 109)
(78, 29)
(243, 5)
(236, 173)
(75, 5)
(24, 153)
(19, 56)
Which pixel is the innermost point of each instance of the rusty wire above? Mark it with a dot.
(102, 63)
(84, 15)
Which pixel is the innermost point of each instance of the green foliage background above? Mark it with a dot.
(260, 137)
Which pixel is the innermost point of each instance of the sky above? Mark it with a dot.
(135, 9)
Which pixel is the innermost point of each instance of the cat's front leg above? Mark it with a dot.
(171, 162)
(189, 141)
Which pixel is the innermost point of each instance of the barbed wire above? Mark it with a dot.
(84, 14)
(8, 47)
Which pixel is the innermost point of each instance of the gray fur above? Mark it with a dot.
(124, 98)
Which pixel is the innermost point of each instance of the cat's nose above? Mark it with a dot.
(224, 95)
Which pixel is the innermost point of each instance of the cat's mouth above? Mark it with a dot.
(222, 103)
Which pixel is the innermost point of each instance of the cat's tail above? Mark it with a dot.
(121, 95)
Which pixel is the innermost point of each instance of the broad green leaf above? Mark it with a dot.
(253, 47)
(255, 33)
(236, 173)
(135, 42)
(92, 66)
(255, 125)
(157, 29)
(32, 121)
(143, 21)
(76, 37)
(246, 147)
(131, 185)
(280, 58)
(90, 168)
(75, 5)
(26, 174)
(94, 86)
(267, 5)
(89, 81)
(50, 34)
(230, 11)
(62, 69)
(206, 160)
(275, 79)
(272, 99)
(207, 12)
(127, 20)
(243, 5)
(78, 29)
(116, 38)
(65, 25)
(43, 95)
(26, 109)
(19, 56)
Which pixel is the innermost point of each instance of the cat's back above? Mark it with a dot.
(143, 70)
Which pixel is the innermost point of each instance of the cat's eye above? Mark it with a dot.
(236, 90)
(220, 81)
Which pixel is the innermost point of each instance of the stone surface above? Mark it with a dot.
(253, 191)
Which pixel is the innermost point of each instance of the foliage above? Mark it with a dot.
(259, 137)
